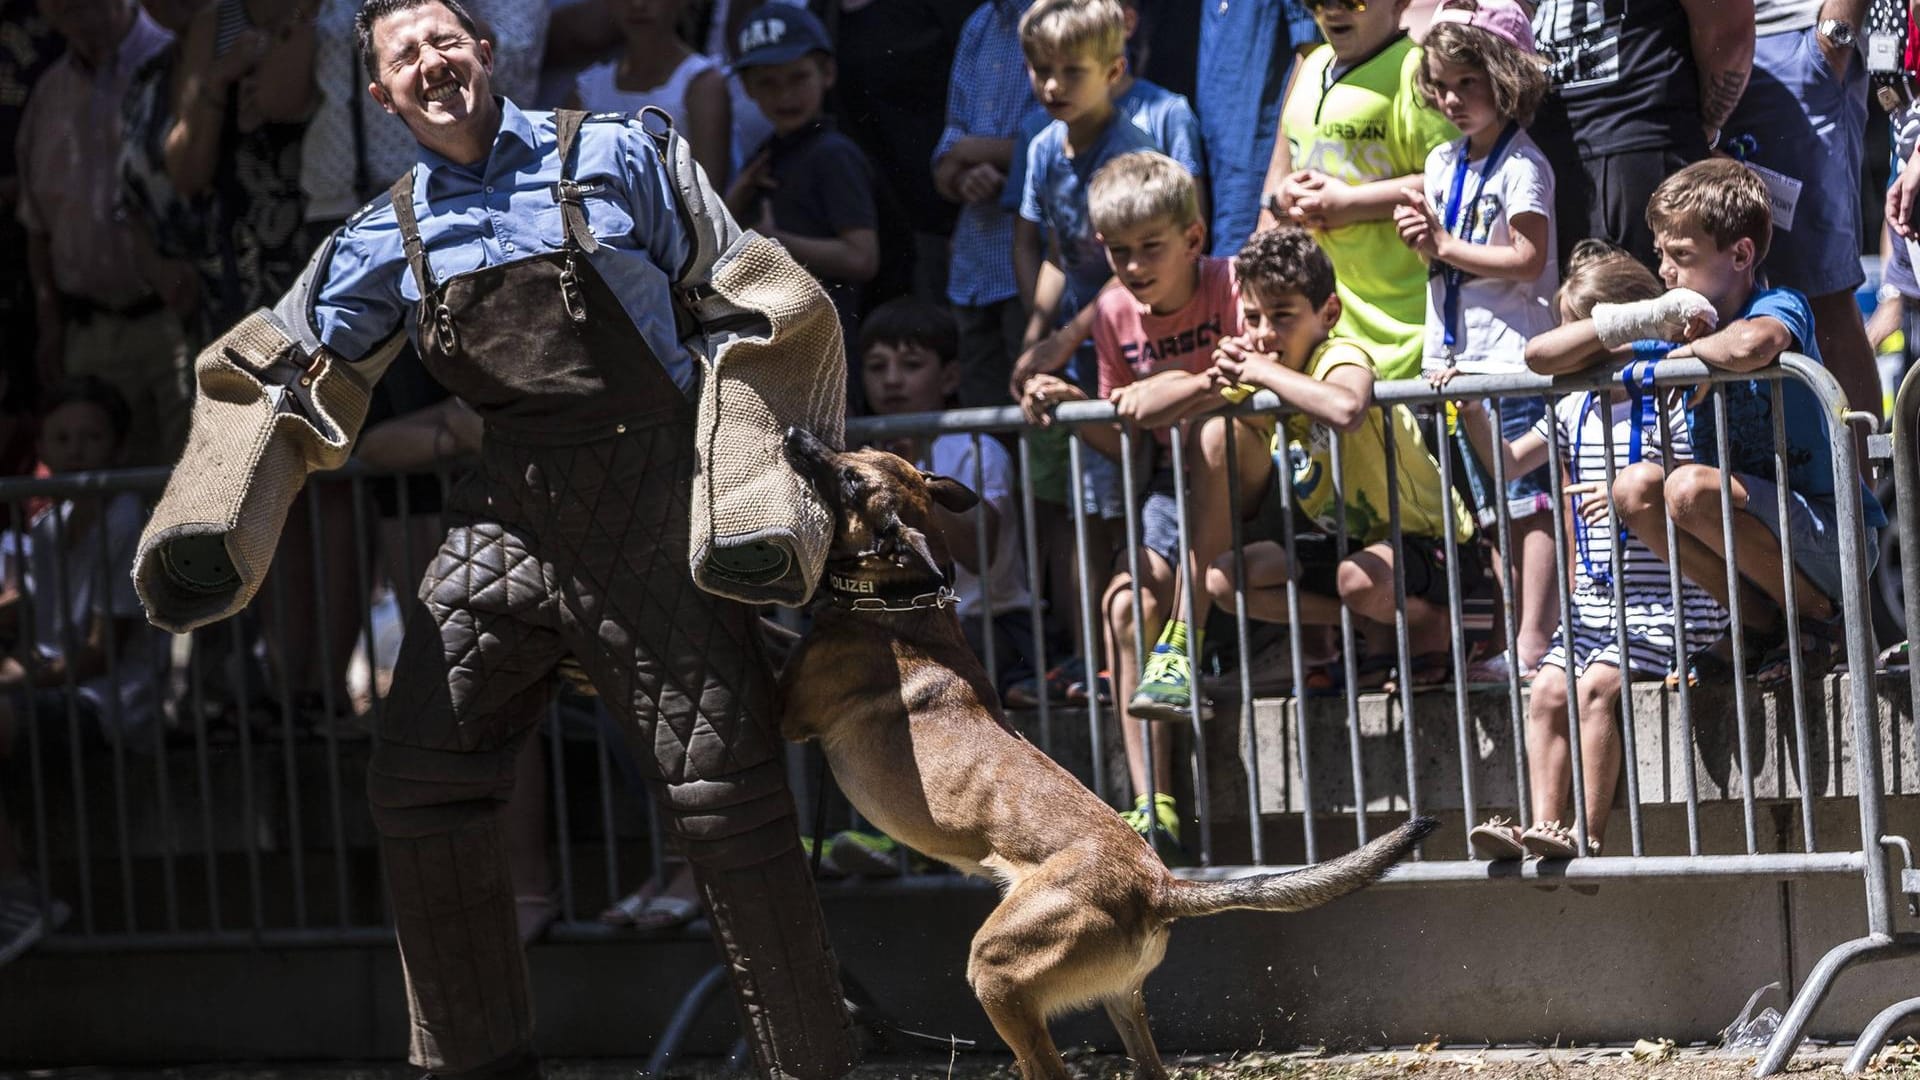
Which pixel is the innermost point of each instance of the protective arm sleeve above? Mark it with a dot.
(772, 357)
(272, 406)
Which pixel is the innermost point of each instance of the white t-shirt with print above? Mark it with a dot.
(952, 456)
(1496, 315)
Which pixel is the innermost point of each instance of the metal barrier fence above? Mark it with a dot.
(240, 822)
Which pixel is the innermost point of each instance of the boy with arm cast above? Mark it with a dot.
(1711, 223)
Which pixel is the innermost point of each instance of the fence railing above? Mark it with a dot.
(236, 817)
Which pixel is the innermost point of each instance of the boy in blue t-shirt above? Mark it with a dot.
(1711, 223)
(1075, 56)
(1168, 120)
(1075, 53)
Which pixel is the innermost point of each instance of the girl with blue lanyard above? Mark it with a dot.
(1487, 235)
(1580, 423)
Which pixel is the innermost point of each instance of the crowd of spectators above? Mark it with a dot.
(1161, 203)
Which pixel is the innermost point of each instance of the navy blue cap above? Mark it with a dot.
(779, 34)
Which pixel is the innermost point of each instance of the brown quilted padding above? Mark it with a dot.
(575, 550)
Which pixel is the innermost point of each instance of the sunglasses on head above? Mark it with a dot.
(1317, 6)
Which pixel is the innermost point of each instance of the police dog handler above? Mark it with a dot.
(533, 258)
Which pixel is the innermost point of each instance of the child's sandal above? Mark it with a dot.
(1549, 840)
(1497, 840)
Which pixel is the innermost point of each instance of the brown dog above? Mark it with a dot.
(916, 739)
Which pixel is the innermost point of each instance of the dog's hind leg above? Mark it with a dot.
(1024, 1029)
(1013, 954)
(1129, 1015)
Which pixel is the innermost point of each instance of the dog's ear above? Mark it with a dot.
(950, 493)
(907, 547)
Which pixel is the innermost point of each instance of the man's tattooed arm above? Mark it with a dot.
(1721, 33)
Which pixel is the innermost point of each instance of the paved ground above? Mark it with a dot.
(1648, 1061)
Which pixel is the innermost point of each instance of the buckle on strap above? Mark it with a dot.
(573, 213)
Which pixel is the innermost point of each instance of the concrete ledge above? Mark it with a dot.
(1661, 760)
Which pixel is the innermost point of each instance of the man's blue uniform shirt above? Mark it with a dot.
(1247, 52)
(503, 209)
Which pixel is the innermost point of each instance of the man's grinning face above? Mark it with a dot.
(436, 77)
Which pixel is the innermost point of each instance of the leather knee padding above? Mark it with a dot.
(767, 920)
(733, 820)
(415, 792)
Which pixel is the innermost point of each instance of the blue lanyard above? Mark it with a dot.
(1637, 379)
(1450, 276)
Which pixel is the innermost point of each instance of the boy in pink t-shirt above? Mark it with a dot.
(1154, 338)
(1135, 338)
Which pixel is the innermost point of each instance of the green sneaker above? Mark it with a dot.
(1166, 689)
(863, 854)
(1165, 816)
(1160, 827)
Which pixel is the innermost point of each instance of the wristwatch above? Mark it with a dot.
(1838, 32)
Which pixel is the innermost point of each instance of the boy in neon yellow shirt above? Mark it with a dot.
(1357, 132)
(1289, 308)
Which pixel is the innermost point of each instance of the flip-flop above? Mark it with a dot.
(533, 914)
(646, 909)
(1703, 666)
(1819, 652)
(1708, 663)
(1893, 659)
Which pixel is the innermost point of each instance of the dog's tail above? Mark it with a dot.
(1297, 890)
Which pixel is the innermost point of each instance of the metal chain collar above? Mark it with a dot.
(939, 598)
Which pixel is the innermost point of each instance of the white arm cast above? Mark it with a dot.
(1664, 318)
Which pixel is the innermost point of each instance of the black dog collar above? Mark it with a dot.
(865, 594)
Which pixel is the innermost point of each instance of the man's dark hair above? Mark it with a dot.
(372, 11)
(1286, 260)
(96, 391)
(908, 321)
